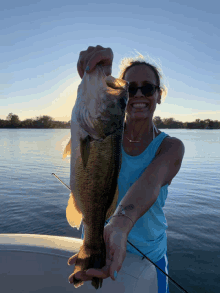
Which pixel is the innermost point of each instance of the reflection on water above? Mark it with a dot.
(34, 201)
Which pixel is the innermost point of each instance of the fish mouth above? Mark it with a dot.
(108, 123)
(110, 120)
(107, 114)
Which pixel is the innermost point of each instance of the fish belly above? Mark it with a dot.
(96, 185)
(94, 194)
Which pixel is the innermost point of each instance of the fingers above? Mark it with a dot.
(106, 271)
(72, 259)
(104, 56)
(79, 276)
(109, 252)
(92, 56)
(84, 57)
(98, 47)
(80, 71)
(80, 67)
(103, 273)
(116, 265)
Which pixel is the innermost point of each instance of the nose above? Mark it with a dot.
(139, 93)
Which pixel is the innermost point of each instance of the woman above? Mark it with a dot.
(150, 160)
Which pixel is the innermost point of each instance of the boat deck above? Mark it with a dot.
(38, 263)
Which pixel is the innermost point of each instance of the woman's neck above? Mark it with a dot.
(137, 130)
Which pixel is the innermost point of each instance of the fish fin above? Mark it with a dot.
(67, 151)
(85, 149)
(112, 207)
(73, 213)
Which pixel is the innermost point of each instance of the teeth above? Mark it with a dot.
(139, 105)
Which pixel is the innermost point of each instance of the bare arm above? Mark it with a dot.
(144, 192)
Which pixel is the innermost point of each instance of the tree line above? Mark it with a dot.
(197, 124)
(13, 121)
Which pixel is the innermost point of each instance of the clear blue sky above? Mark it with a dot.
(40, 45)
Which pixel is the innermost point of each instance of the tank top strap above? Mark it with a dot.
(157, 142)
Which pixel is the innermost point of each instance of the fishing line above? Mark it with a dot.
(175, 283)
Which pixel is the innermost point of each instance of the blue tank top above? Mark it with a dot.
(149, 232)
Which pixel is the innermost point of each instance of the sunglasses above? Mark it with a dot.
(147, 90)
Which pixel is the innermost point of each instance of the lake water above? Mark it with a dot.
(34, 201)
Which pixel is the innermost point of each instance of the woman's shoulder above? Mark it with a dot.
(171, 141)
(173, 147)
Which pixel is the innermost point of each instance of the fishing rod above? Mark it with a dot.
(144, 256)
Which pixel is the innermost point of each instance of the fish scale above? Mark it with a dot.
(95, 149)
(98, 189)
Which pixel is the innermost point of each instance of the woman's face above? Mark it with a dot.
(138, 76)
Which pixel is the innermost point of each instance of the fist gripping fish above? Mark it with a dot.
(97, 125)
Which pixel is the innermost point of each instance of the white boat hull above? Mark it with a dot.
(38, 263)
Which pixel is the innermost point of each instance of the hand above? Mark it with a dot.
(116, 243)
(92, 56)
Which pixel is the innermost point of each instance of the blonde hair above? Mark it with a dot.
(129, 62)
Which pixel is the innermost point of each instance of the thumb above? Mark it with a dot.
(72, 259)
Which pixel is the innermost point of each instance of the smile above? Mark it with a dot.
(139, 106)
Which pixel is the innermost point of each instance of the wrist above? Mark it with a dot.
(122, 222)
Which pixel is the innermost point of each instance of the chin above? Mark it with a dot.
(139, 116)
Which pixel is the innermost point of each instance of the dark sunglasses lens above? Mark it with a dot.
(132, 90)
(146, 90)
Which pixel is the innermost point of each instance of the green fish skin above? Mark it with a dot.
(96, 135)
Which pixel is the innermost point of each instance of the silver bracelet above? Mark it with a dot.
(122, 215)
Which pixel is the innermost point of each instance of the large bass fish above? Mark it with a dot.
(97, 125)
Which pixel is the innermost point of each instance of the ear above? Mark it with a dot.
(159, 97)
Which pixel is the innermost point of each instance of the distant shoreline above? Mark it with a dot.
(47, 122)
(17, 127)
(70, 128)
